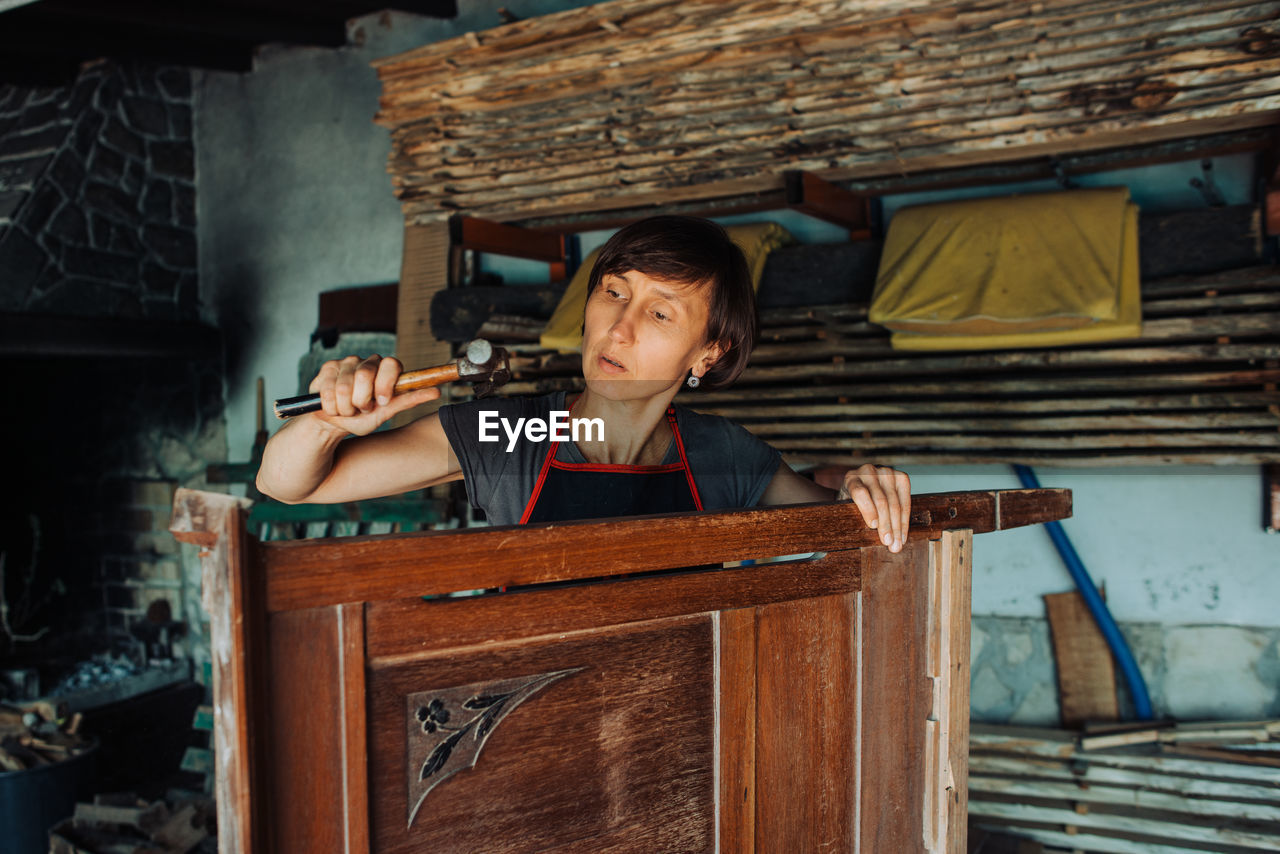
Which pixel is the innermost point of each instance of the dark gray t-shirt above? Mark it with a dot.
(730, 467)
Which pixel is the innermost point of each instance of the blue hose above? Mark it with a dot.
(1097, 607)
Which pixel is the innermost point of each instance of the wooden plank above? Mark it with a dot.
(1140, 778)
(1090, 792)
(354, 727)
(897, 697)
(483, 235)
(363, 569)
(424, 271)
(1134, 381)
(988, 424)
(216, 523)
(1156, 828)
(1086, 671)
(1067, 459)
(810, 195)
(947, 727)
(805, 752)
(485, 142)
(737, 731)
(407, 626)
(307, 710)
(1254, 438)
(747, 410)
(956, 562)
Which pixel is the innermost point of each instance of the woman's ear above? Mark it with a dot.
(711, 355)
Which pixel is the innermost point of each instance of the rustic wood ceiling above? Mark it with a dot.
(44, 41)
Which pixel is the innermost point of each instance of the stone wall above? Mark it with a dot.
(97, 195)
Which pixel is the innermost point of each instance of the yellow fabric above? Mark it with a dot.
(1025, 271)
(564, 329)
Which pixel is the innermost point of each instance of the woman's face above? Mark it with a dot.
(641, 336)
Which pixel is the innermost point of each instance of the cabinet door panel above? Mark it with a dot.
(601, 741)
(807, 707)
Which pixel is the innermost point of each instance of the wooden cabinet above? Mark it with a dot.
(623, 693)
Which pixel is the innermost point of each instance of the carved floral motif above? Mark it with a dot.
(448, 727)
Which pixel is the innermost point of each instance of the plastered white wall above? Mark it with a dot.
(1171, 545)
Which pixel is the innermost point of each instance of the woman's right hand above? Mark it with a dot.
(357, 395)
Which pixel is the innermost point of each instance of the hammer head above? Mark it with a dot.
(486, 366)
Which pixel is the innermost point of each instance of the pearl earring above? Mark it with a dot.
(693, 381)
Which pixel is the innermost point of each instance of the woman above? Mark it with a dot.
(669, 303)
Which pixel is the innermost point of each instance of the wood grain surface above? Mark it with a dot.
(896, 698)
(408, 626)
(616, 757)
(807, 706)
(303, 573)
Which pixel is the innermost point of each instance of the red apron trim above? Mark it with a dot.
(617, 468)
(537, 487)
(688, 472)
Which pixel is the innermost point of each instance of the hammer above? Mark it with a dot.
(483, 364)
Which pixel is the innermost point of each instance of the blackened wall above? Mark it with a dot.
(98, 220)
(97, 195)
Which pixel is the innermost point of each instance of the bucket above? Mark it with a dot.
(34, 800)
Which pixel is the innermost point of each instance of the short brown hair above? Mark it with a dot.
(692, 251)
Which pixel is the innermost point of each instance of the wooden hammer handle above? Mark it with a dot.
(408, 381)
(426, 378)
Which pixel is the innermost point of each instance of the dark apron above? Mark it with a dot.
(598, 490)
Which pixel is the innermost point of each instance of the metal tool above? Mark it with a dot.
(481, 363)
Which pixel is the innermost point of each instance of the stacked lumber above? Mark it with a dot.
(33, 735)
(1177, 788)
(123, 823)
(661, 101)
(825, 388)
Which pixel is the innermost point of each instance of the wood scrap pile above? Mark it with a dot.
(125, 824)
(660, 101)
(35, 734)
(824, 386)
(1131, 790)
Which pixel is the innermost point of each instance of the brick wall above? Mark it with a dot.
(140, 564)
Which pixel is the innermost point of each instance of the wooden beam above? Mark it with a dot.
(216, 523)
(301, 574)
(811, 195)
(514, 241)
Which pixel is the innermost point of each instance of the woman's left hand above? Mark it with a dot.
(883, 496)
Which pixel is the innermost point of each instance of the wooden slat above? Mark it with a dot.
(354, 728)
(216, 523)
(1086, 672)
(806, 686)
(404, 626)
(671, 101)
(307, 708)
(424, 271)
(302, 574)
(896, 697)
(737, 731)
